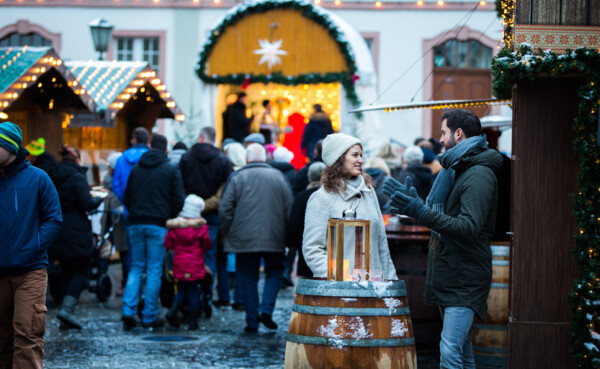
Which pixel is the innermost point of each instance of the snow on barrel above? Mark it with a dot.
(350, 325)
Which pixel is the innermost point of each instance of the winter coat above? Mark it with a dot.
(154, 191)
(75, 238)
(301, 179)
(459, 268)
(295, 228)
(324, 205)
(287, 169)
(421, 178)
(237, 125)
(254, 208)
(175, 156)
(31, 216)
(204, 170)
(189, 239)
(379, 179)
(124, 165)
(46, 162)
(317, 128)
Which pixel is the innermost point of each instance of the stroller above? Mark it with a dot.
(99, 282)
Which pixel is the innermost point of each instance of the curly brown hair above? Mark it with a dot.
(334, 175)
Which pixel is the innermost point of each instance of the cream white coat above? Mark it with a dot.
(323, 205)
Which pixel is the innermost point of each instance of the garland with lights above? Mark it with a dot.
(347, 79)
(505, 11)
(508, 67)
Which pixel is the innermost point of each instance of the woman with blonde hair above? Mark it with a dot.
(345, 186)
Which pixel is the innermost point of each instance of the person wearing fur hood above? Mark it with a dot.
(345, 186)
(188, 237)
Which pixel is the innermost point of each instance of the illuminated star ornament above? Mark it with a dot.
(270, 52)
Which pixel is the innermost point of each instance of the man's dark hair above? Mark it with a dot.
(265, 103)
(180, 146)
(318, 107)
(463, 119)
(208, 133)
(158, 142)
(418, 140)
(319, 147)
(241, 94)
(141, 135)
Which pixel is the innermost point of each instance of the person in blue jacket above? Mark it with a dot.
(31, 218)
(130, 157)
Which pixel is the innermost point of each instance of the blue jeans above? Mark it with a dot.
(456, 349)
(247, 265)
(147, 255)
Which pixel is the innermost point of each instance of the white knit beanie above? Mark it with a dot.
(283, 154)
(192, 207)
(335, 145)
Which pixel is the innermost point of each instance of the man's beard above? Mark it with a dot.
(451, 143)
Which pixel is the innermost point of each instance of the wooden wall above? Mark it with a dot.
(309, 46)
(558, 12)
(544, 171)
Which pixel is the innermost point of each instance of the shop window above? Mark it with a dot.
(138, 48)
(22, 39)
(462, 54)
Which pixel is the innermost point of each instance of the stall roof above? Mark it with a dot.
(20, 67)
(112, 83)
(438, 104)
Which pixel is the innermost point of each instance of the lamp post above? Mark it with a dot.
(101, 31)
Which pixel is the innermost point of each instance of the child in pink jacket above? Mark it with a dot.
(188, 236)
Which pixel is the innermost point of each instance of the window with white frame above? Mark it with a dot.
(138, 48)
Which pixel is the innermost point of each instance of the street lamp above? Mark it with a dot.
(101, 31)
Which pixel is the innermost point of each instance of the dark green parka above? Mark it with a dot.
(459, 268)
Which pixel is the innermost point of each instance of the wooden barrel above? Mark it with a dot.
(350, 325)
(490, 340)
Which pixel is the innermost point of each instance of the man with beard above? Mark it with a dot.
(460, 211)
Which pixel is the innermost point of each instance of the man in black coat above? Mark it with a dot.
(154, 193)
(205, 170)
(301, 179)
(317, 128)
(236, 124)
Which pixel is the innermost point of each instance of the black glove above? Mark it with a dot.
(410, 205)
(391, 185)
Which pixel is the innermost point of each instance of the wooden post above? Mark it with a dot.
(339, 253)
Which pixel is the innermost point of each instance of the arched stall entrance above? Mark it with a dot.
(293, 54)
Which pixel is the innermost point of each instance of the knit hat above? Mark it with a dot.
(428, 156)
(192, 207)
(36, 147)
(255, 137)
(11, 137)
(283, 154)
(335, 145)
(112, 159)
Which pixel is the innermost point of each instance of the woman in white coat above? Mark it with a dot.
(345, 186)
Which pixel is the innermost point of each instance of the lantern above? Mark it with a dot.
(338, 264)
(101, 32)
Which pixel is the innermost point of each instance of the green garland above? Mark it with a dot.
(308, 11)
(509, 67)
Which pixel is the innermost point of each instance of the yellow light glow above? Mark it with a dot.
(420, 2)
(180, 117)
(155, 81)
(142, 89)
(317, 2)
(378, 4)
(171, 104)
(3, 115)
(337, 2)
(482, 3)
(440, 2)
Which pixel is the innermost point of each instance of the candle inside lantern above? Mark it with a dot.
(347, 276)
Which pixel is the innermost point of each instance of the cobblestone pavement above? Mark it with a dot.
(219, 343)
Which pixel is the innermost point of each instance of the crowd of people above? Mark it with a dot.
(204, 203)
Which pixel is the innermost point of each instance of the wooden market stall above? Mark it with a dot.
(38, 92)
(127, 95)
(290, 52)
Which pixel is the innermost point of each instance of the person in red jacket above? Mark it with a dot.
(188, 236)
